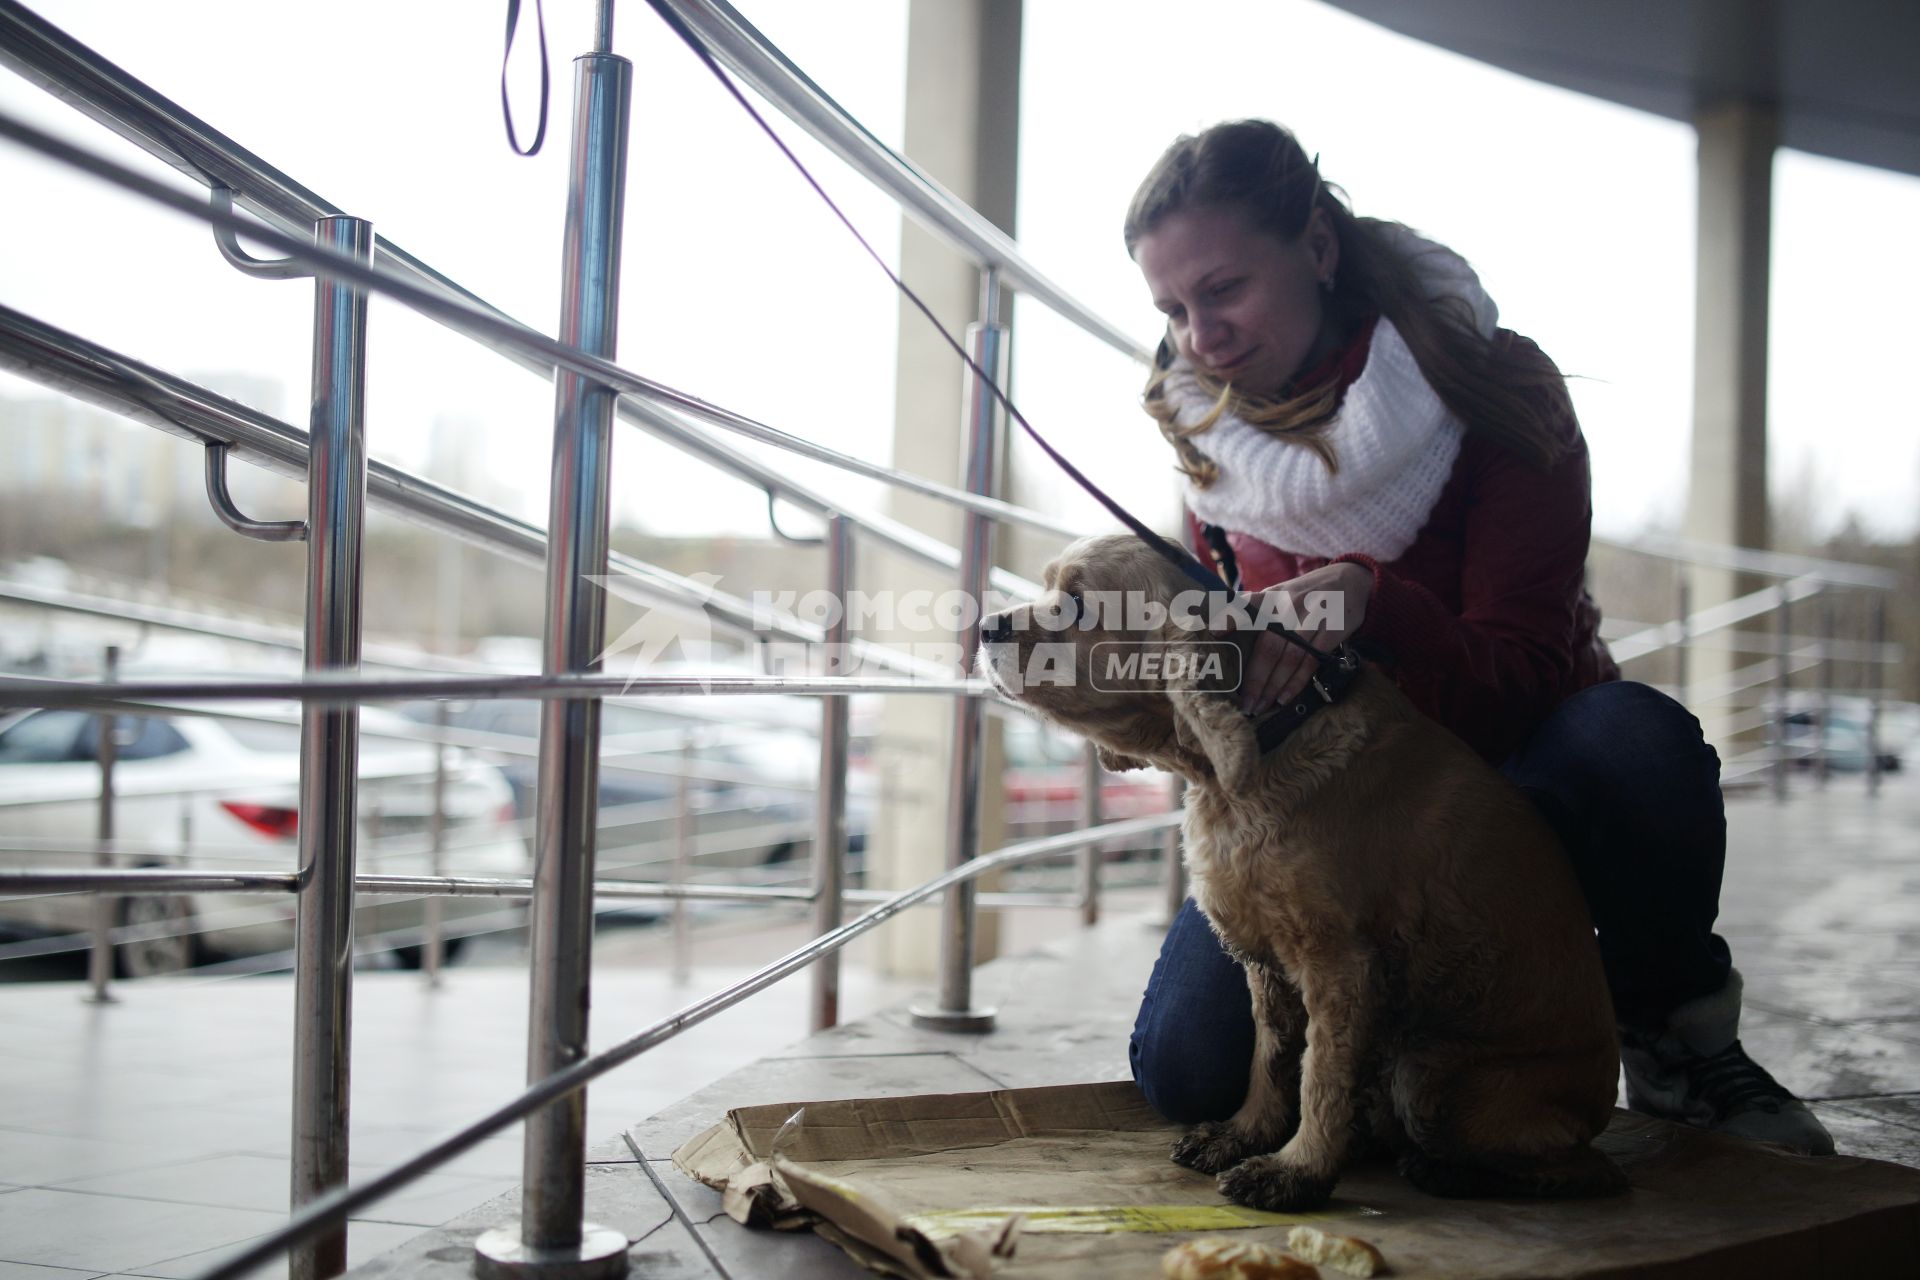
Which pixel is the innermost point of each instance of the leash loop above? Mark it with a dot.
(506, 104)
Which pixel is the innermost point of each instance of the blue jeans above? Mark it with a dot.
(1624, 777)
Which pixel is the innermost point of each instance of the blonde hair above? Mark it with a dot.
(1499, 387)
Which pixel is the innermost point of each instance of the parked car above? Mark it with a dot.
(221, 792)
(1045, 779)
(1844, 741)
(753, 800)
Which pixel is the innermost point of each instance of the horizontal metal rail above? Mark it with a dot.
(1728, 640)
(146, 614)
(245, 917)
(145, 880)
(1773, 564)
(142, 881)
(18, 691)
(47, 56)
(136, 882)
(90, 372)
(751, 56)
(1713, 618)
(331, 1210)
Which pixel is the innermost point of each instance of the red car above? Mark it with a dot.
(1045, 778)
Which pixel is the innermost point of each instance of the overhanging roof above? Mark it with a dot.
(1844, 74)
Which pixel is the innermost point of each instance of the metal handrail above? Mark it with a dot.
(531, 349)
(148, 880)
(93, 373)
(1773, 564)
(19, 691)
(505, 334)
(42, 53)
(750, 55)
(336, 1206)
(625, 752)
(1712, 618)
(155, 123)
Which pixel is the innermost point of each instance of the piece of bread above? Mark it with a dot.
(1217, 1258)
(1343, 1253)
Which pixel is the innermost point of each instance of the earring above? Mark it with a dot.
(1326, 282)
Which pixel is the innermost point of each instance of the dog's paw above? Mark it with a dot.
(1267, 1182)
(1213, 1147)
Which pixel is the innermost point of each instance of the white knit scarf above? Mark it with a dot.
(1395, 441)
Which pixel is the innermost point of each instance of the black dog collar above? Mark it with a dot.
(1337, 672)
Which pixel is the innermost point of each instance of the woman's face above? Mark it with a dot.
(1240, 303)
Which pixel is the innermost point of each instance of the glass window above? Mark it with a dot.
(148, 738)
(136, 737)
(46, 737)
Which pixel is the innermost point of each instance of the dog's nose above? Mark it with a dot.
(996, 629)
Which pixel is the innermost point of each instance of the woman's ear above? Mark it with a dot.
(1323, 242)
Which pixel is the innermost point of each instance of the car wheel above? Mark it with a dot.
(416, 957)
(172, 946)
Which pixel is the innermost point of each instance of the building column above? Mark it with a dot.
(1727, 487)
(962, 129)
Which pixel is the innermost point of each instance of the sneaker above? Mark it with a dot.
(1693, 1070)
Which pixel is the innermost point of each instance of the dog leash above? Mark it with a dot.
(1334, 671)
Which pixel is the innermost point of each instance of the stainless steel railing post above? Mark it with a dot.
(552, 1238)
(986, 343)
(329, 747)
(434, 946)
(1175, 871)
(830, 819)
(1683, 643)
(1823, 685)
(1087, 862)
(683, 861)
(1782, 674)
(105, 906)
(1876, 682)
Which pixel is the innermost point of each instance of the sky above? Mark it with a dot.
(737, 285)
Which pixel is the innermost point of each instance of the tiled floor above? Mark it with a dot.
(146, 1138)
(150, 1137)
(1821, 906)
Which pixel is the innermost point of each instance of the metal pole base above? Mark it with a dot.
(937, 1019)
(500, 1254)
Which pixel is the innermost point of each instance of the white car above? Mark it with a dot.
(221, 793)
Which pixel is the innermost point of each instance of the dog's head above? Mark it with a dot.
(1117, 650)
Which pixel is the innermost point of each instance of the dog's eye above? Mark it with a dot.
(1060, 612)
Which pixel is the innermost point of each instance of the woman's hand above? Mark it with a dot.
(1330, 603)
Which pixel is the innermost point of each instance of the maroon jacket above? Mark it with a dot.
(1485, 620)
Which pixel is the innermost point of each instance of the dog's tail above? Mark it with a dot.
(1581, 1172)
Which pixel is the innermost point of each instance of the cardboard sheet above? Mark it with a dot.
(1074, 1181)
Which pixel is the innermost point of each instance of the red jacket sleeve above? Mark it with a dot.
(1493, 668)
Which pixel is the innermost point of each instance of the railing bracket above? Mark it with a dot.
(773, 520)
(231, 516)
(228, 242)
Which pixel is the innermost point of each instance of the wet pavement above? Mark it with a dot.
(150, 1137)
(1821, 905)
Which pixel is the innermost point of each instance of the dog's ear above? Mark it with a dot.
(1208, 721)
(1113, 762)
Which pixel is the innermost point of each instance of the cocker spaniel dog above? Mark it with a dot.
(1423, 969)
